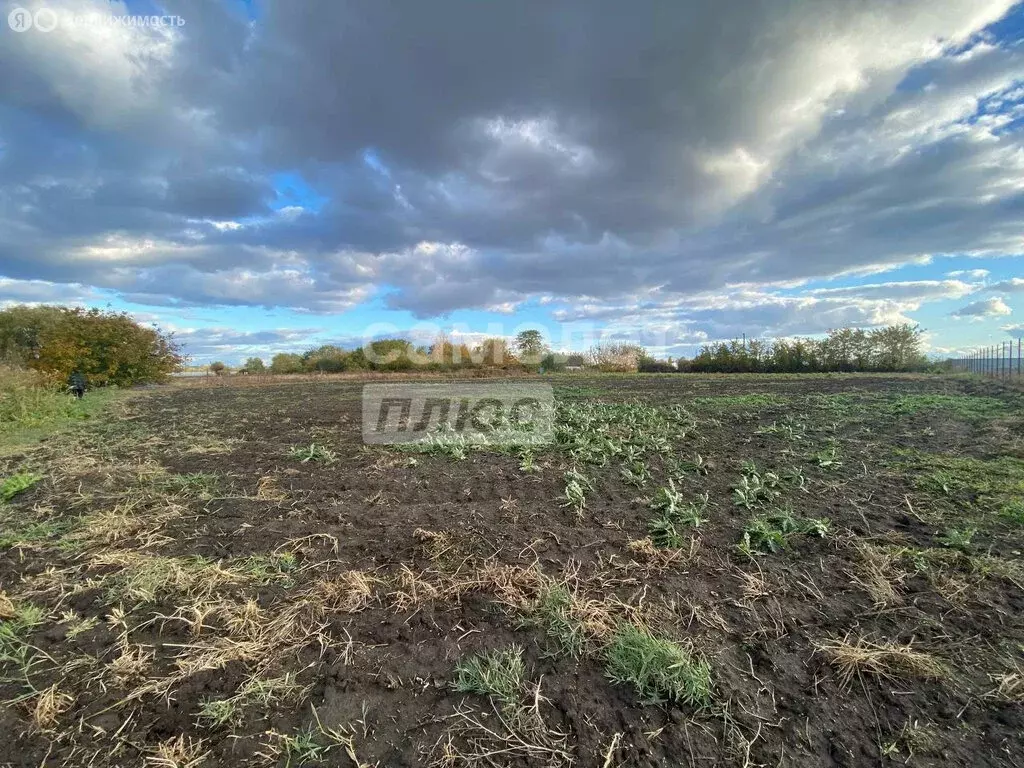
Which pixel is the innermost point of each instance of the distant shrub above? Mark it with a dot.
(286, 363)
(254, 365)
(617, 357)
(652, 365)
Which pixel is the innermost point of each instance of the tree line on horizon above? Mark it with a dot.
(889, 349)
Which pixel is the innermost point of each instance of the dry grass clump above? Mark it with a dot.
(7, 610)
(131, 665)
(50, 704)
(434, 545)
(142, 577)
(513, 586)
(181, 752)
(1009, 686)
(889, 660)
(879, 574)
(267, 489)
(348, 592)
(410, 589)
(655, 558)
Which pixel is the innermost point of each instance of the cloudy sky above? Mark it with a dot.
(268, 175)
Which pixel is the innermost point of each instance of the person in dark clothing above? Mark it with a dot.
(78, 384)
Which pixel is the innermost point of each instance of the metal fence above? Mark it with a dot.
(999, 361)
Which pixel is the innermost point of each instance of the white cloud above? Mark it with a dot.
(994, 307)
(1012, 285)
(973, 274)
(576, 153)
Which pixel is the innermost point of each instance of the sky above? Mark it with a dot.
(266, 176)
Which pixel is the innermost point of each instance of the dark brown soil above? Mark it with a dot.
(382, 672)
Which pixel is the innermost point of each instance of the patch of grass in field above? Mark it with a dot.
(29, 412)
(14, 484)
(265, 569)
(200, 485)
(16, 531)
(498, 673)
(971, 408)
(966, 407)
(19, 620)
(991, 486)
(519, 730)
(939, 563)
(255, 692)
(580, 392)
(141, 578)
(554, 612)
(660, 669)
(749, 402)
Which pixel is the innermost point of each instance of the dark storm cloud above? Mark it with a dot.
(470, 154)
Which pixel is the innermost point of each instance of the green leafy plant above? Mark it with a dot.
(636, 473)
(674, 512)
(770, 532)
(828, 458)
(958, 538)
(313, 452)
(576, 486)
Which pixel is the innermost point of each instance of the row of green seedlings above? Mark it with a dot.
(588, 432)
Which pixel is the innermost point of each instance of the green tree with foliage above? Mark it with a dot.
(254, 365)
(894, 348)
(495, 353)
(105, 347)
(530, 346)
(325, 359)
(286, 362)
(217, 368)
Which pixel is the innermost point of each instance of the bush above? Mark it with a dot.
(617, 358)
(651, 365)
(325, 359)
(105, 347)
(285, 362)
(217, 368)
(254, 365)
